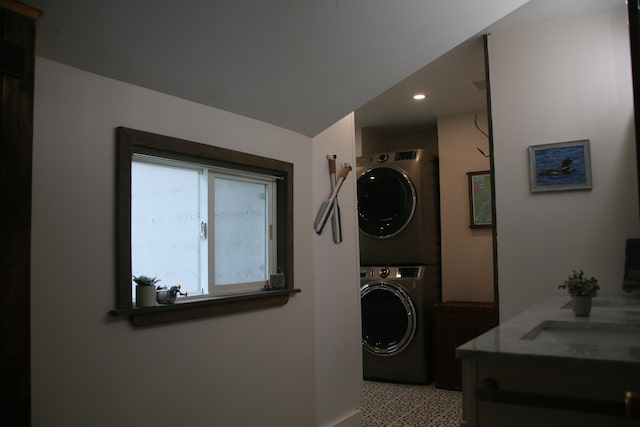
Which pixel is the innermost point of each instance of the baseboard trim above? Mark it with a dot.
(352, 419)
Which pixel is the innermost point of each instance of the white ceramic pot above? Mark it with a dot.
(581, 306)
(145, 296)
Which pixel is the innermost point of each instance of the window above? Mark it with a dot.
(242, 243)
(216, 221)
(202, 227)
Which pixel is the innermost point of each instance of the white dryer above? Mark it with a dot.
(399, 208)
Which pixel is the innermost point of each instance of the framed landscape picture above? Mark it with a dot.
(480, 202)
(560, 166)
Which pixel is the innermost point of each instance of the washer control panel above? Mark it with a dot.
(383, 272)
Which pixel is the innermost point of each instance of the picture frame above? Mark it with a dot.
(560, 166)
(480, 199)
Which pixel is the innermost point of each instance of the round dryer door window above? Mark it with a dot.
(386, 202)
(388, 318)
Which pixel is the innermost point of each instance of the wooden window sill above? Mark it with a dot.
(205, 307)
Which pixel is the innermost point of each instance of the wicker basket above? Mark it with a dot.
(457, 322)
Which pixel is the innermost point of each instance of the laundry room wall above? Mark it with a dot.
(394, 138)
(563, 80)
(467, 253)
(338, 365)
(89, 369)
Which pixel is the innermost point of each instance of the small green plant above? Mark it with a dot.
(579, 286)
(145, 280)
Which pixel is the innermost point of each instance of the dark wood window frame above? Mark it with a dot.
(130, 142)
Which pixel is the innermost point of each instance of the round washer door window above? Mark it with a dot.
(386, 202)
(388, 318)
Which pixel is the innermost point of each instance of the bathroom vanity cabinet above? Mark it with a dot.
(547, 367)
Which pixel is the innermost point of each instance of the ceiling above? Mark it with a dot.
(454, 83)
(298, 64)
(451, 82)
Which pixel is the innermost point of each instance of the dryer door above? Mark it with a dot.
(386, 202)
(388, 318)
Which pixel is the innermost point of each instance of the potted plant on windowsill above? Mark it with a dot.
(145, 290)
(581, 290)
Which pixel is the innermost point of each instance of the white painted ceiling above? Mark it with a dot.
(298, 64)
(447, 81)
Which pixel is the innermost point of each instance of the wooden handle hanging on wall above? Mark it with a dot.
(336, 221)
(327, 206)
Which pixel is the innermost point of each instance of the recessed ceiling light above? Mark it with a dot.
(419, 96)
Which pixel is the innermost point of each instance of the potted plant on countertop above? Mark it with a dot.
(582, 291)
(145, 290)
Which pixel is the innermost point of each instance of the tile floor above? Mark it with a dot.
(406, 405)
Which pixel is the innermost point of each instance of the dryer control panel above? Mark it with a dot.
(389, 157)
(398, 156)
(406, 155)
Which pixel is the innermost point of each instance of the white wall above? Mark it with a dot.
(467, 253)
(336, 287)
(563, 80)
(88, 369)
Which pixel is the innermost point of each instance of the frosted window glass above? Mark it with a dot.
(240, 231)
(165, 224)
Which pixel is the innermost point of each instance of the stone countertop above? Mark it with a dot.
(506, 340)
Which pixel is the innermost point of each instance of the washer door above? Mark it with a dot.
(386, 202)
(388, 318)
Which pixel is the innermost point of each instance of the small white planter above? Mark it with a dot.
(581, 306)
(145, 296)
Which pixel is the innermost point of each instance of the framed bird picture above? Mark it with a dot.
(560, 166)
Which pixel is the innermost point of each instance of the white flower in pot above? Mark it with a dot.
(581, 290)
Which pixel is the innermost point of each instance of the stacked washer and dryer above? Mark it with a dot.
(400, 283)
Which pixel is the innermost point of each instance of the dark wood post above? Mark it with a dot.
(17, 39)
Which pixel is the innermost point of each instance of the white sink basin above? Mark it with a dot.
(564, 332)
